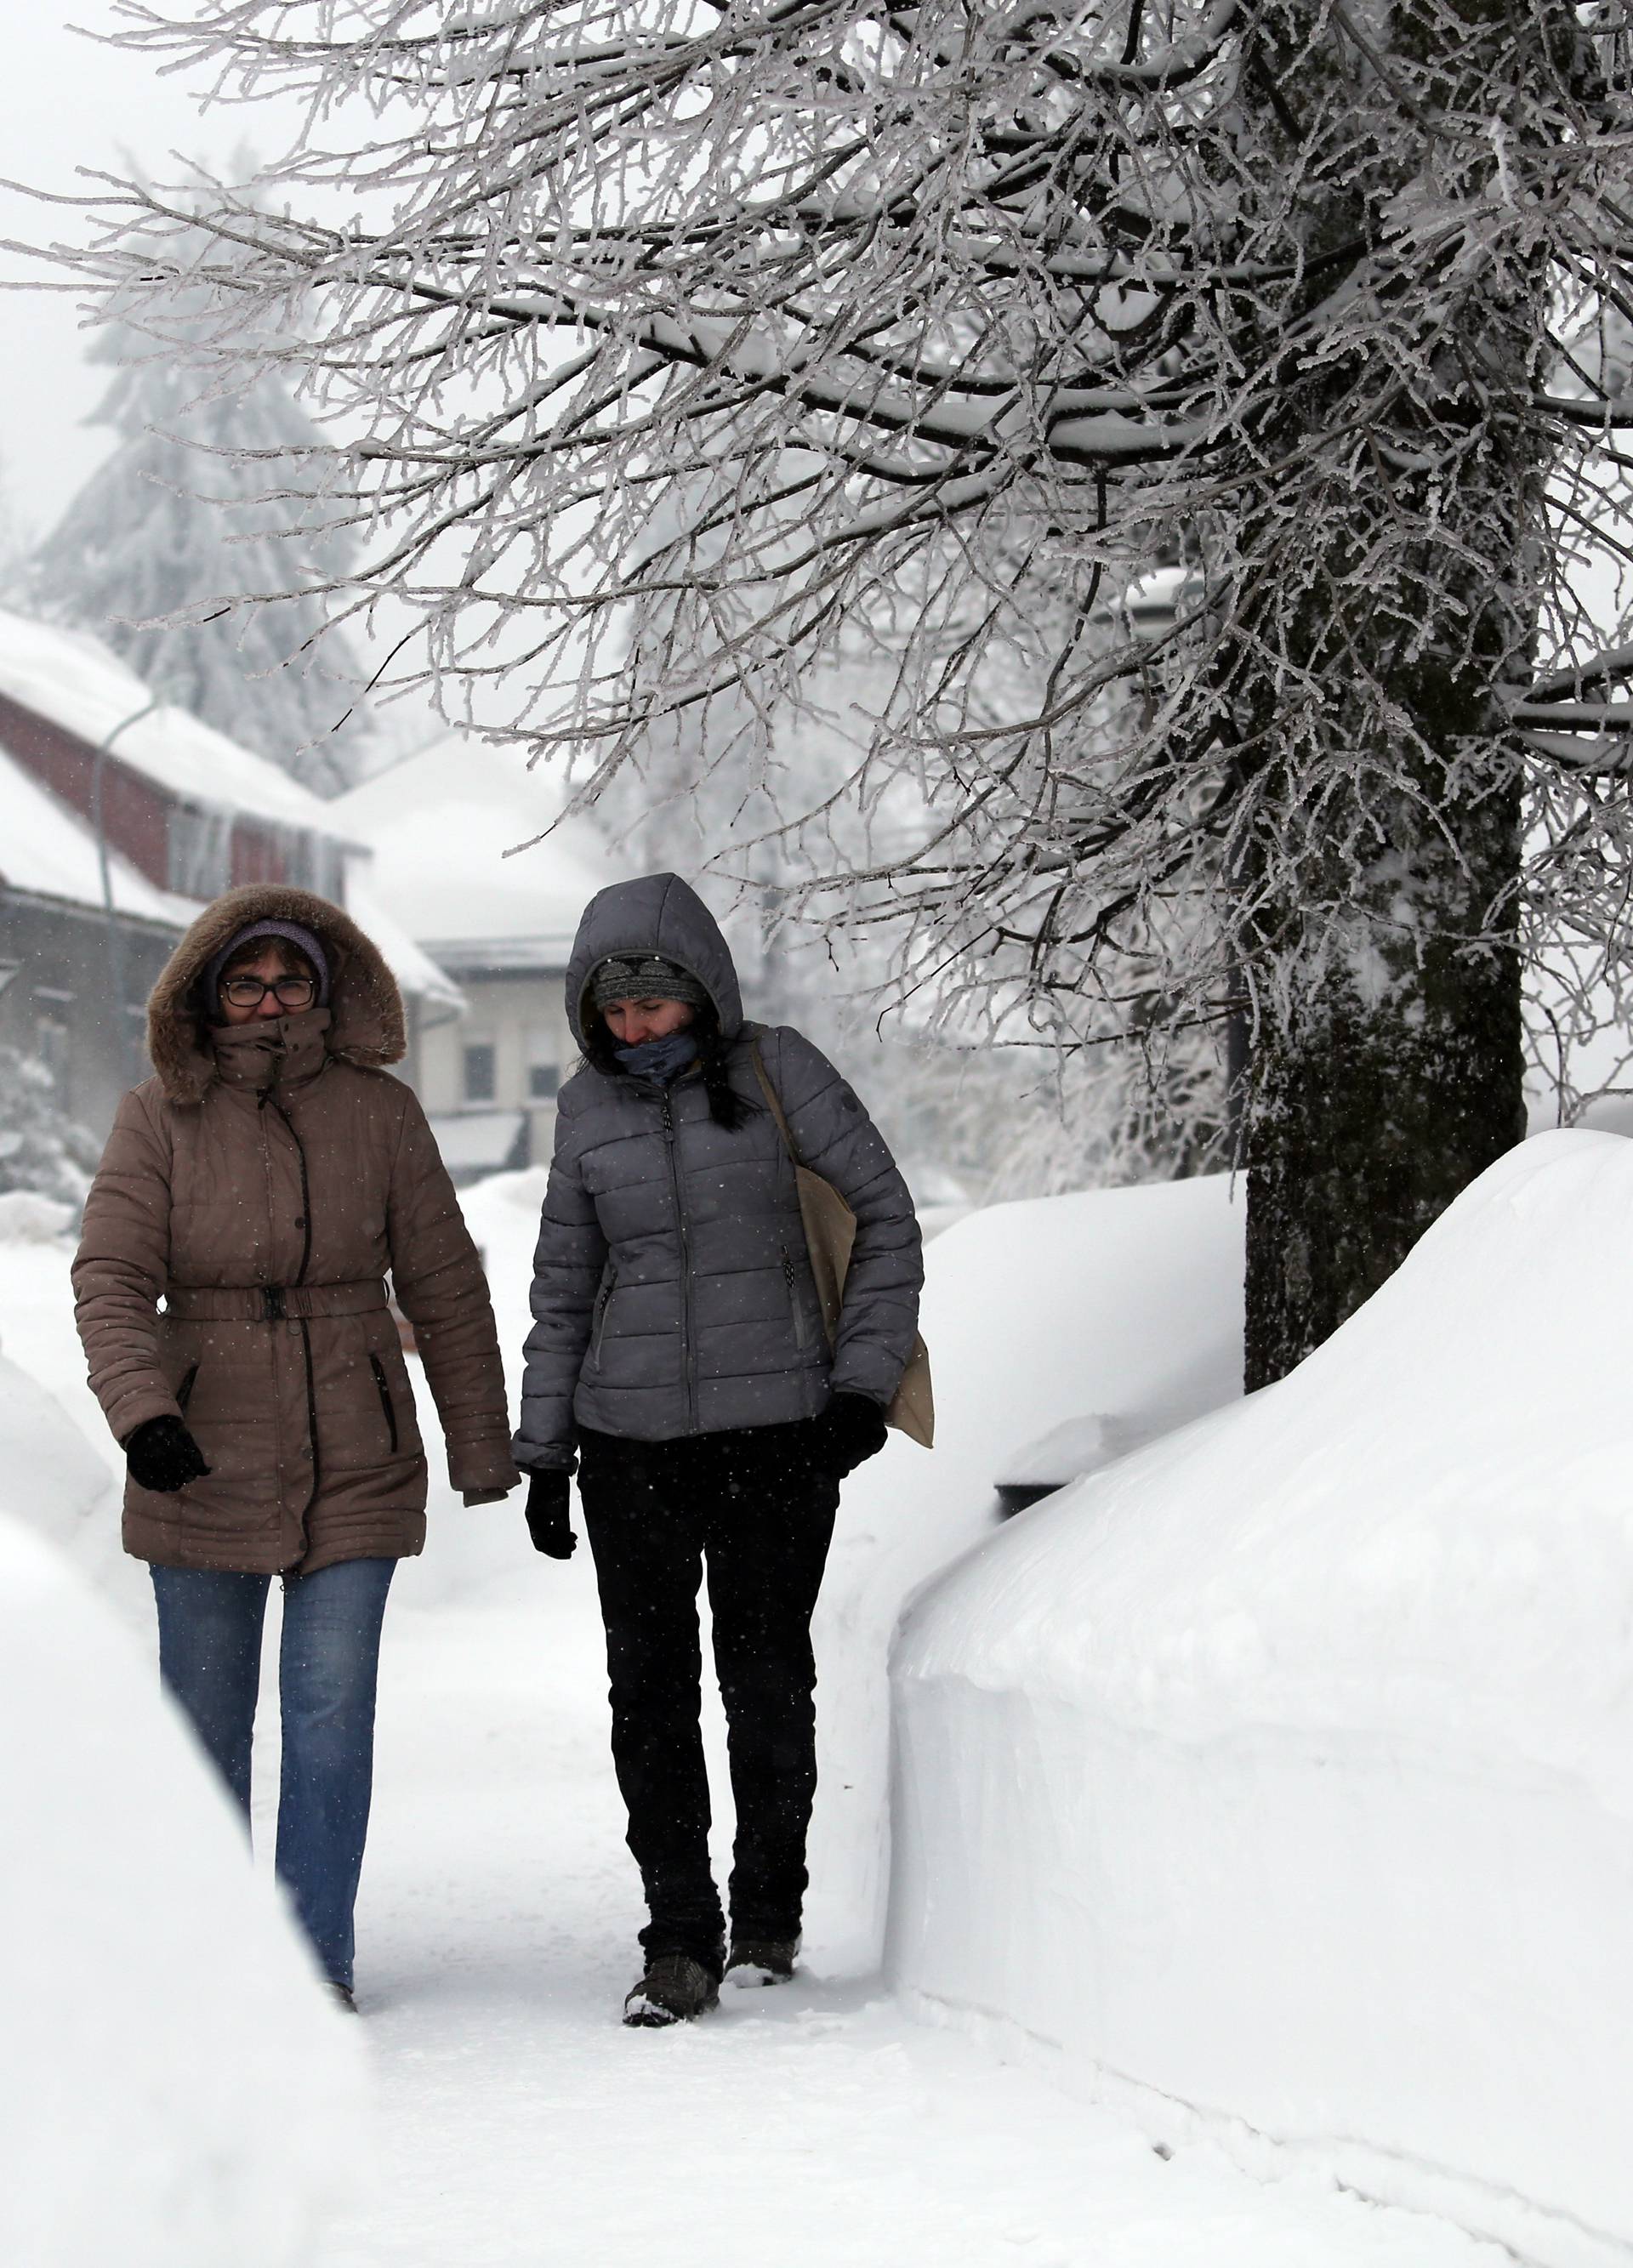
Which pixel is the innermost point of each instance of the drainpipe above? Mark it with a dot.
(116, 935)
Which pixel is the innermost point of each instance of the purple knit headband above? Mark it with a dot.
(293, 934)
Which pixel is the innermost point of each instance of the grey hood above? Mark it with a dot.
(656, 913)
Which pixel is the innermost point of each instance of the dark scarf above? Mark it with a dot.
(661, 1060)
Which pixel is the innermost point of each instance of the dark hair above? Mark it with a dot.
(726, 1106)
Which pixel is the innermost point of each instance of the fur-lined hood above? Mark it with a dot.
(366, 1025)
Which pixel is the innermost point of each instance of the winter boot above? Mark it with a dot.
(674, 1989)
(761, 1960)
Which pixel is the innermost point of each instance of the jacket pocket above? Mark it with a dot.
(598, 1328)
(184, 1392)
(384, 1386)
(790, 1276)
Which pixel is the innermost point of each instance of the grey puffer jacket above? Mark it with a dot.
(671, 1292)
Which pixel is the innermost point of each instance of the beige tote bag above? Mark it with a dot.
(830, 1233)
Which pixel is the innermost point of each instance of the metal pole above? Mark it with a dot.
(115, 936)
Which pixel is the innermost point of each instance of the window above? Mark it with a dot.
(481, 1071)
(543, 1062)
(53, 1044)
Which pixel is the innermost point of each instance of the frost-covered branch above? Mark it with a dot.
(697, 369)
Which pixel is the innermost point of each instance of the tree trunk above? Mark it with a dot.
(1384, 1092)
(1387, 1056)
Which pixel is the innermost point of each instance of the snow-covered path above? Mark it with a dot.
(520, 2124)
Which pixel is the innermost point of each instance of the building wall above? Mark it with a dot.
(58, 998)
(510, 1050)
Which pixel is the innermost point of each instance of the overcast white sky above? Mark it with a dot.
(66, 101)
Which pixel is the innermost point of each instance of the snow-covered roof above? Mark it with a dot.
(415, 971)
(75, 681)
(440, 823)
(48, 848)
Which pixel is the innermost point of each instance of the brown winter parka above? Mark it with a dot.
(262, 1185)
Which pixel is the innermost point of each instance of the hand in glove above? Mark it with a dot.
(547, 1513)
(163, 1456)
(849, 1430)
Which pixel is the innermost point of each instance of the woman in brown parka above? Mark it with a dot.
(262, 1184)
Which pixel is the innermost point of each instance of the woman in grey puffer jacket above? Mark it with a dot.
(678, 1350)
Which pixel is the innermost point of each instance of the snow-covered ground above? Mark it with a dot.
(1279, 1778)
(796, 2129)
(516, 2121)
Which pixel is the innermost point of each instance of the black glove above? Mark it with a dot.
(849, 1430)
(163, 1456)
(547, 1513)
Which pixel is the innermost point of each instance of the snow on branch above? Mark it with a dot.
(712, 378)
(1617, 662)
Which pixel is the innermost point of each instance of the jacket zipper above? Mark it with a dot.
(306, 1191)
(378, 1367)
(305, 1327)
(789, 1277)
(688, 1379)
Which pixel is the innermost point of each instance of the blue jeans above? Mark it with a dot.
(210, 1658)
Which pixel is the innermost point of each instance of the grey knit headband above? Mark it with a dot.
(644, 976)
(292, 933)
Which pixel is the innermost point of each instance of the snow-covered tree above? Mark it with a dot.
(710, 786)
(13, 546)
(41, 1148)
(173, 550)
(742, 329)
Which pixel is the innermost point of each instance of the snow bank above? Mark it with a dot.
(1116, 1308)
(502, 1213)
(1282, 1774)
(27, 1218)
(53, 1481)
(482, 1552)
(175, 2090)
(61, 1474)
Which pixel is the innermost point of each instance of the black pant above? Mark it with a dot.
(753, 1506)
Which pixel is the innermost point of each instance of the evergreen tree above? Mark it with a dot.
(176, 555)
(13, 546)
(41, 1148)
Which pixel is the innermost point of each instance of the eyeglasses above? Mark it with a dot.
(292, 992)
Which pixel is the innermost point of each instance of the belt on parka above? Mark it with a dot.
(270, 1303)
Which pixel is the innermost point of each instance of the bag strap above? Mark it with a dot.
(769, 1092)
